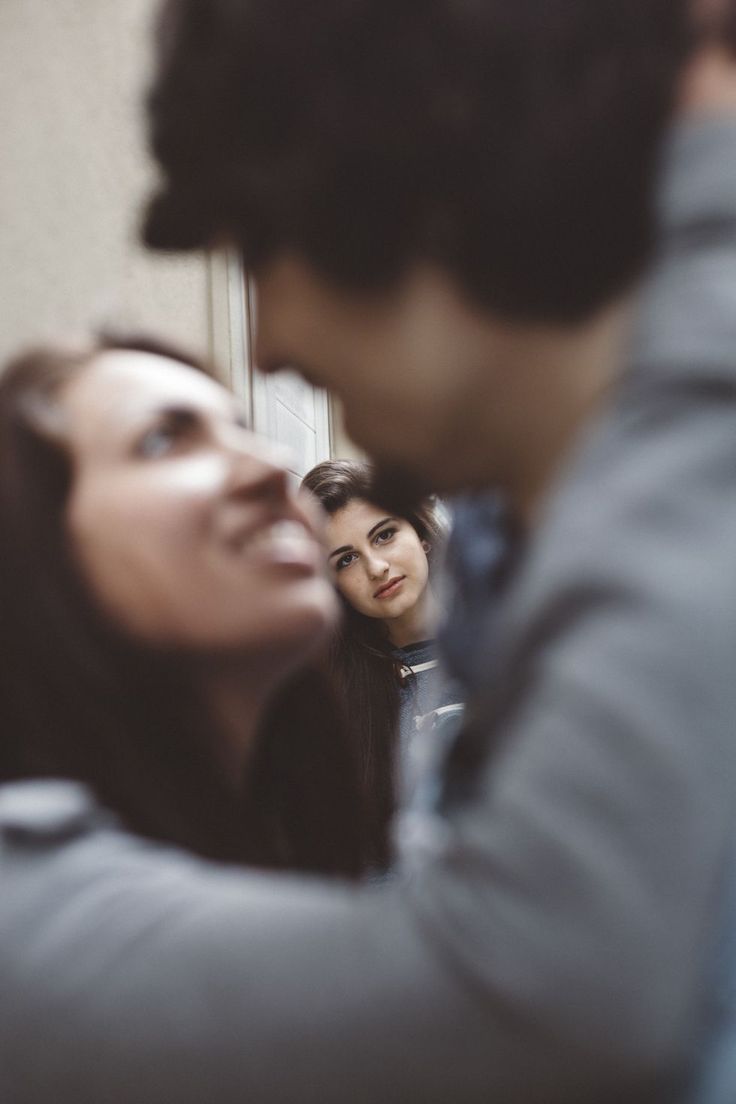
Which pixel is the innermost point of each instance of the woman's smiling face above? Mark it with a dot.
(379, 562)
(183, 522)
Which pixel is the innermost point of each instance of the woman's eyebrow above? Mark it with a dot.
(184, 417)
(186, 411)
(369, 534)
(378, 525)
(164, 410)
(134, 418)
(177, 410)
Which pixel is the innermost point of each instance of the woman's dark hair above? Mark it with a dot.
(515, 145)
(363, 660)
(81, 699)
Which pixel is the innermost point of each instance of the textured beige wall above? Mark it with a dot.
(74, 174)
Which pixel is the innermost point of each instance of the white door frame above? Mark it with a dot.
(232, 314)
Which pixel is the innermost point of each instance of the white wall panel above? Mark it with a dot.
(288, 410)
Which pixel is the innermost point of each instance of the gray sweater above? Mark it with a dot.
(554, 937)
(431, 708)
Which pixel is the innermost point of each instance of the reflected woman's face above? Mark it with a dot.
(183, 522)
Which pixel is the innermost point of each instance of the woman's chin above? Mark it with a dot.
(281, 634)
(308, 626)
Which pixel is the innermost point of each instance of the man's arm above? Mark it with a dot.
(551, 946)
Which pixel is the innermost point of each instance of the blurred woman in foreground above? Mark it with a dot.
(161, 590)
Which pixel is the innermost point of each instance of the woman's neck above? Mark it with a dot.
(417, 623)
(238, 695)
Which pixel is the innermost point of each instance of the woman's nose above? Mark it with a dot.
(258, 467)
(376, 566)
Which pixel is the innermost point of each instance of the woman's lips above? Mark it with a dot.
(390, 588)
(286, 543)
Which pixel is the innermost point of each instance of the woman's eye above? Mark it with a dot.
(161, 438)
(345, 560)
(156, 442)
(385, 535)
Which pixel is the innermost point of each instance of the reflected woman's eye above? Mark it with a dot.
(385, 535)
(167, 433)
(345, 560)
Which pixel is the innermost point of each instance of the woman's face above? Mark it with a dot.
(380, 564)
(183, 522)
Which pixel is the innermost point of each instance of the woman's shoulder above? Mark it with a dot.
(417, 657)
(58, 841)
(107, 945)
(45, 810)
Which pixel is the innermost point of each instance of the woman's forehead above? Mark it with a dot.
(356, 518)
(122, 387)
(147, 378)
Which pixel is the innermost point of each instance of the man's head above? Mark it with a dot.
(511, 144)
(501, 154)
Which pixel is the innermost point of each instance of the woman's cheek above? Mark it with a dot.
(351, 593)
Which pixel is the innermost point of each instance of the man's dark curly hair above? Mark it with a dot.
(514, 143)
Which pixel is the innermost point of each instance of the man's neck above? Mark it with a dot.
(557, 380)
(708, 86)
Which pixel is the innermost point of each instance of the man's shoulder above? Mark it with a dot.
(686, 321)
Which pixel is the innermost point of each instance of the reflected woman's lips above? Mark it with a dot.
(390, 588)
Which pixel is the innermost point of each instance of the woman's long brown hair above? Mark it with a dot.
(81, 699)
(362, 659)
